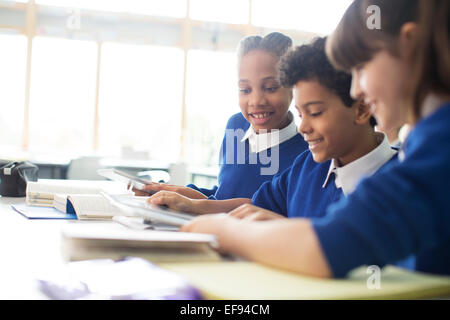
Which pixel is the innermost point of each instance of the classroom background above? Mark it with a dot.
(136, 85)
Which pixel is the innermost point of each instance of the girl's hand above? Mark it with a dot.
(211, 224)
(173, 200)
(254, 213)
(207, 223)
(156, 187)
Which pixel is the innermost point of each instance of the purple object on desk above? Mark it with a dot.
(127, 279)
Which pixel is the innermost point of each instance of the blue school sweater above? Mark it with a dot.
(242, 173)
(402, 209)
(298, 192)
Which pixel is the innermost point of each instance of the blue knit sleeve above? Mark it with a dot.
(399, 211)
(272, 194)
(205, 191)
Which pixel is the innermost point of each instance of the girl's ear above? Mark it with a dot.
(362, 113)
(408, 39)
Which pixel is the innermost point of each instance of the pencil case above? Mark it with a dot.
(14, 176)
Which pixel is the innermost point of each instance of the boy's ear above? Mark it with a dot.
(362, 113)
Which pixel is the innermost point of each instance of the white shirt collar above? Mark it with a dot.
(265, 140)
(348, 176)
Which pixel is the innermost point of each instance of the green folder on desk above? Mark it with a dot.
(247, 280)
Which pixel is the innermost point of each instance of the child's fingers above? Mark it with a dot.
(153, 187)
(187, 227)
(172, 200)
(138, 192)
(159, 198)
(259, 216)
(243, 211)
(263, 215)
(241, 214)
(254, 216)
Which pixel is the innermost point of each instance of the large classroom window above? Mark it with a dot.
(159, 78)
(62, 97)
(211, 98)
(140, 100)
(320, 16)
(169, 8)
(12, 87)
(230, 11)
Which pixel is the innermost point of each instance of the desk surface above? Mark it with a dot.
(31, 248)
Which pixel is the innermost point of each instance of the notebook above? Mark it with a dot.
(247, 280)
(108, 240)
(42, 212)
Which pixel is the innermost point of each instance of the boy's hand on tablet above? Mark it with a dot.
(173, 200)
(250, 212)
(184, 191)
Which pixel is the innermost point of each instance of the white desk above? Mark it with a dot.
(31, 248)
(28, 248)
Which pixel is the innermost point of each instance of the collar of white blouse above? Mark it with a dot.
(265, 140)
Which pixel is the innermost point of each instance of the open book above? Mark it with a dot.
(91, 206)
(105, 240)
(78, 197)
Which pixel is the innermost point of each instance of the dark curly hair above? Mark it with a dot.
(309, 62)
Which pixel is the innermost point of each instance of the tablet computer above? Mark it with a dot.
(129, 179)
(154, 213)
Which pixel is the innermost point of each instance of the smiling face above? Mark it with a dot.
(331, 129)
(383, 83)
(263, 101)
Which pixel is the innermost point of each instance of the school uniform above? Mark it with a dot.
(248, 159)
(402, 209)
(307, 187)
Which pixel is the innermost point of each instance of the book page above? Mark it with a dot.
(60, 202)
(92, 206)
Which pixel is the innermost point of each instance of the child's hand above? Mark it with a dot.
(211, 224)
(184, 191)
(173, 201)
(207, 223)
(250, 212)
